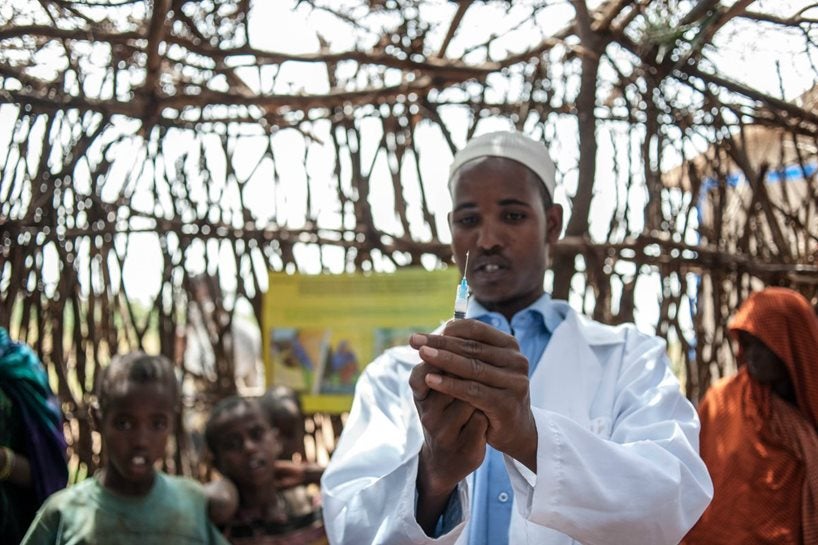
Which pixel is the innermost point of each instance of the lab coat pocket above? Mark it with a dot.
(601, 426)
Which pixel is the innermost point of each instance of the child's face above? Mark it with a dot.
(291, 431)
(246, 447)
(135, 427)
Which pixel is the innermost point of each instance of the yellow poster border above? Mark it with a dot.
(366, 304)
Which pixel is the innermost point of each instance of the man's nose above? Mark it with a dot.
(488, 236)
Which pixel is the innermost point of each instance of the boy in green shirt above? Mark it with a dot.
(128, 501)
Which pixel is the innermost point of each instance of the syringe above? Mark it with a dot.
(461, 299)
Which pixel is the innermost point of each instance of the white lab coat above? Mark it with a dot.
(617, 456)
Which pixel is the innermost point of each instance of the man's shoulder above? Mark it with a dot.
(598, 333)
(401, 355)
(394, 362)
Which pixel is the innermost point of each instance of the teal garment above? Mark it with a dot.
(31, 426)
(21, 365)
(174, 511)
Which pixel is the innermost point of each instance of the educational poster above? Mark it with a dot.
(320, 331)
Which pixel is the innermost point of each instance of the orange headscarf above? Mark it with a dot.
(762, 452)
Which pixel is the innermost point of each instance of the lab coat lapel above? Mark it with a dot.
(567, 376)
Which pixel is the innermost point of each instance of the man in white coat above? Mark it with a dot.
(524, 423)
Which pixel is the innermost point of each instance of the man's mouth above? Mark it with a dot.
(490, 265)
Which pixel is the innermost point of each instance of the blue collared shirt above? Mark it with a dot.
(492, 494)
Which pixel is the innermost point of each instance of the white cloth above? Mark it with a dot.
(512, 145)
(617, 456)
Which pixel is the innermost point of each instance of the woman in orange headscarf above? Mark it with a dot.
(758, 436)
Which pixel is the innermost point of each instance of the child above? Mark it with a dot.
(294, 473)
(245, 449)
(128, 501)
(283, 409)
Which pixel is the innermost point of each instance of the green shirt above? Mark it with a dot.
(174, 511)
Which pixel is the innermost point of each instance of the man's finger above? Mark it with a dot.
(473, 360)
(480, 332)
(477, 426)
(417, 381)
(477, 394)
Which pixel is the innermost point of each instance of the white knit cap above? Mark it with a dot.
(509, 145)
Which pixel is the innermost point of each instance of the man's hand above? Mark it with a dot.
(454, 446)
(483, 367)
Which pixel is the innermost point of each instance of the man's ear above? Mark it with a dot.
(553, 223)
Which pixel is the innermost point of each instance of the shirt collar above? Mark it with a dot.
(550, 313)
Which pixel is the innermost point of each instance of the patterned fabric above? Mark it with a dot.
(762, 451)
(306, 530)
(31, 425)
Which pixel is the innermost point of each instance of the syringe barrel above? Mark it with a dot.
(461, 301)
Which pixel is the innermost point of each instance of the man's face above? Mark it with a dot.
(246, 447)
(499, 217)
(135, 427)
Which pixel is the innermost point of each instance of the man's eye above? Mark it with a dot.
(465, 221)
(515, 216)
(257, 433)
